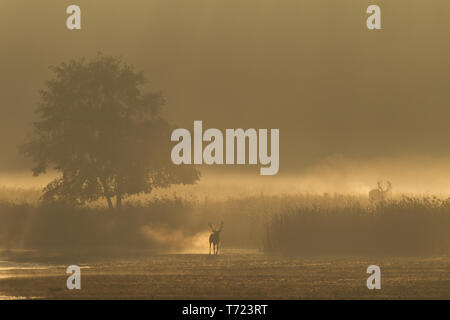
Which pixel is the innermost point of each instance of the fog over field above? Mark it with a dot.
(409, 175)
(364, 164)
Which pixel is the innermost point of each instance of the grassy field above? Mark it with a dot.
(237, 274)
(297, 246)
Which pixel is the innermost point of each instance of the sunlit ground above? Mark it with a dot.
(235, 274)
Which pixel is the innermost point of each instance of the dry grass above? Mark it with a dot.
(290, 224)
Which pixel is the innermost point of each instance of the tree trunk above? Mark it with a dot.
(106, 193)
(118, 201)
(118, 192)
(110, 204)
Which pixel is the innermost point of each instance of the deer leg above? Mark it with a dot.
(210, 248)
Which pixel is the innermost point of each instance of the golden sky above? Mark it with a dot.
(310, 68)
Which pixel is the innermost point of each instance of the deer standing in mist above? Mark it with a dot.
(214, 238)
(379, 194)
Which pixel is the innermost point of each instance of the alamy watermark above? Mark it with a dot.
(220, 152)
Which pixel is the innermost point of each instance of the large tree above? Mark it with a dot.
(105, 137)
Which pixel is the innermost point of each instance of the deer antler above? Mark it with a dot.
(388, 186)
(221, 226)
(211, 226)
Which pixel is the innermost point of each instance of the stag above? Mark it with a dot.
(379, 194)
(214, 238)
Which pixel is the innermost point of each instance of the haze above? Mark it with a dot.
(310, 68)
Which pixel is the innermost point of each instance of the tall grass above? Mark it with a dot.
(406, 226)
(158, 222)
(163, 223)
(290, 224)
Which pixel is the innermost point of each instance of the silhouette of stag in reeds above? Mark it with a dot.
(379, 194)
(214, 238)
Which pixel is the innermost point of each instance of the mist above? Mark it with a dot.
(308, 68)
(333, 175)
(90, 112)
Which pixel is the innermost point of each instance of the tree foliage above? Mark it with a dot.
(105, 137)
